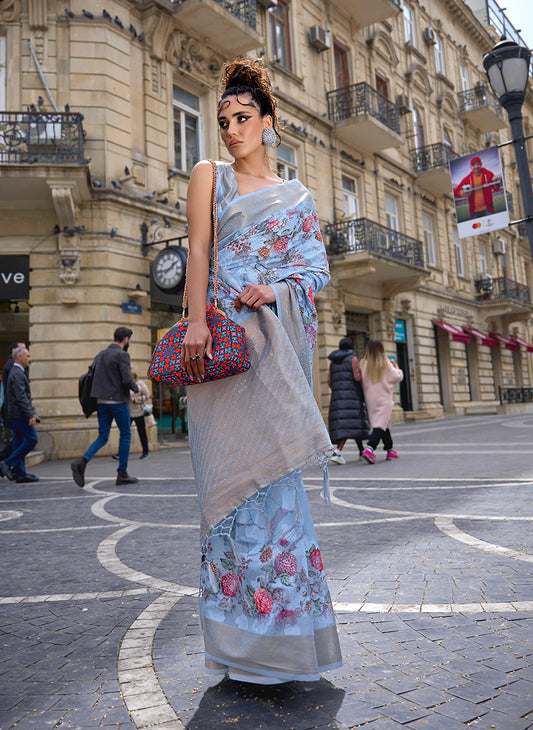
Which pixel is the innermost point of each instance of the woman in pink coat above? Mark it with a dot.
(379, 375)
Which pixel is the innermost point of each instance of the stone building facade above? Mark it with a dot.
(104, 111)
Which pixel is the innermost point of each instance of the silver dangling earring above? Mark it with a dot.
(268, 137)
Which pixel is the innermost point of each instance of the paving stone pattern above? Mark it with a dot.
(429, 561)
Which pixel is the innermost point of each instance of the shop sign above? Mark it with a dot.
(14, 277)
(399, 331)
(132, 307)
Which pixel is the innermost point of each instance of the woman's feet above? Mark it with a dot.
(368, 455)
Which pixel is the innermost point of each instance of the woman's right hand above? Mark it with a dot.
(196, 347)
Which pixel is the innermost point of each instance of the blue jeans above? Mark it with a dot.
(106, 413)
(24, 439)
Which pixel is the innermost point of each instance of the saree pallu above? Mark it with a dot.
(264, 603)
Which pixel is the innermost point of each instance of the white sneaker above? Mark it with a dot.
(338, 459)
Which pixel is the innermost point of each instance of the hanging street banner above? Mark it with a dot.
(479, 193)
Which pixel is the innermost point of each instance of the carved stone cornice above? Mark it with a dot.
(9, 10)
(38, 14)
(159, 34)
(64, 197)
(191, 54)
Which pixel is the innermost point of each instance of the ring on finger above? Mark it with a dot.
(195, 357)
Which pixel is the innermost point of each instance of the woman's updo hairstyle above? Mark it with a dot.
(246, 76)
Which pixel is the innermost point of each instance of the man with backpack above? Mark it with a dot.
(112, 382)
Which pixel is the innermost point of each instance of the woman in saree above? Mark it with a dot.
(265, 609)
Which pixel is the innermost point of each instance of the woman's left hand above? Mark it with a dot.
(254, 295)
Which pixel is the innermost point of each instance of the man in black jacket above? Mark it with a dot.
(7, 444)
(112, 383)
(21, 418)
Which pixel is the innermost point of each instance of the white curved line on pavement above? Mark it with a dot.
(146, 702)
(444, 608)
(445, 525)
(106, 554)
(432, 515)
(84, 596)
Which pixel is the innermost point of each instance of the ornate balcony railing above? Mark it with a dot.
(515, 394)
(478, 98)
(361, 99)
(244, 10)
(502, 288)
(33, 137)
(361, 234)
(431, 156)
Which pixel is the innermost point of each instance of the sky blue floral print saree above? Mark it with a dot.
(264, 604)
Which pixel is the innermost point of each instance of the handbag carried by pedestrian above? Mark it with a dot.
(230, 354)
(85, 383)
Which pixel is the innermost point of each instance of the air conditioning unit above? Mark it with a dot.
(267, 4)
(498, 246)
(42, 133)
(430, 36)
(403, 103)
(319, 38)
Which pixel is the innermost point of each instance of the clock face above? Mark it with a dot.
(169, 267)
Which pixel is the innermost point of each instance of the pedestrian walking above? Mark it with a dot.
(347, 417)
(265, 608)
(7, 443)
(137, 404)
(21, 419)
(111, 387)
(379, 376)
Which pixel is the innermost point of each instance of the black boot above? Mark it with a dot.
(78, 471)
(124, 478)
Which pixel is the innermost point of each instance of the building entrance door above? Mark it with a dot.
(402, 359)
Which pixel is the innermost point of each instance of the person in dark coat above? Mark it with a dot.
(21, 418)
(347, 410)
(111, 387)
(7, 444)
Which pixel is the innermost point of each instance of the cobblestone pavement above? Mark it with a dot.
(428, 560)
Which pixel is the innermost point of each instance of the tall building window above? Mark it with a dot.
(463, 73)
(458, 248)
(3, 85)
(280, 34)
(391, 212)
(187, 129)
(429, 238)
(287, 168)
(440, 66)
(482, 248)
(350, 198)
(418, 128)
(342, 75)
(382, 85)
(408, 24)
(447, 138)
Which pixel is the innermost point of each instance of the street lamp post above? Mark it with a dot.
(507, 68)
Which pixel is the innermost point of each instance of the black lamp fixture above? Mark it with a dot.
(507, 67)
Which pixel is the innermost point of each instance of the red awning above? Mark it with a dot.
(455, 332)
(485, 339)
(509, 344)
(522, 342)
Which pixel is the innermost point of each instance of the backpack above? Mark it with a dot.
(85, 384)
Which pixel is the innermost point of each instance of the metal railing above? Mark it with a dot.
(359, 100)
(244, 10)
(361, 234)
(515, 394)
(478, 98)
(33, 137)
(502, 288)
(432, 156)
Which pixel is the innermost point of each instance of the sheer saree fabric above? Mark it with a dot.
(264, 603)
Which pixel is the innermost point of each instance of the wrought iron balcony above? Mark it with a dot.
(502, 288)
(432, 156)
(432, 164)
(516, 394)
(366, 12)
(361, 234)
(481, 108)
(34, 137)
(364, 117)
(233, 32)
